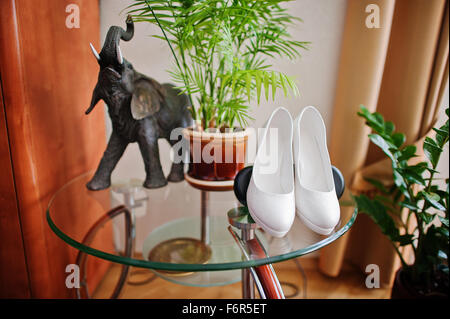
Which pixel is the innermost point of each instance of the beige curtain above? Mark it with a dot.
(400, 70)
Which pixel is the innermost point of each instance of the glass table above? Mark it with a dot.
(166, 230)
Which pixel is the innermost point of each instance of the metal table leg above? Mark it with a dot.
(263, 276)
(204, 227)
(132, 203)
(247, 233)
(82, 257)
(248, 284)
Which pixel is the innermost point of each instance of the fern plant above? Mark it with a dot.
(415, 189)
(222, 50)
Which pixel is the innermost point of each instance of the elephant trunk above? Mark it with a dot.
(111, 53)
(128, 35)
(110, 58)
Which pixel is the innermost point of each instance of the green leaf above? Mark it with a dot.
(379, 119)
(292, 85)
(440, 140)
(379, 215)
(386, 201)
(258, 86)
(442, 132)
(405, 239)
(389, 128)
(444, 221)
(381, 143)
(407, 153)
(377, 184)
(274, 85)
(444, 231)
(248, 83)
(233, 84)
(419, 168)
(432, 151)
(398, 139)
(411, 175)
(365, 113)
(266, 85)
(433, 199)
(399, 180)
(374, 120)
(283, 84)
(409, 205)
(426, 217)
(442, 254)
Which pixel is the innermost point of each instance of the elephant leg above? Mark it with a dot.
(177, 170)
(114, 150)
(148, 145)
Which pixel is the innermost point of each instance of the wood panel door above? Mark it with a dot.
(13, 270)
(47, 73)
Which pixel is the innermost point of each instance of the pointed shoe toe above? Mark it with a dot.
(270, 194)
(315, 196)
(319, 211)
(274, 213)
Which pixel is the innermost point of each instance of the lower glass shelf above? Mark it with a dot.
(204, 278)
(222, 248)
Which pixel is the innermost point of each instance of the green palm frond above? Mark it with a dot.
(221, 49)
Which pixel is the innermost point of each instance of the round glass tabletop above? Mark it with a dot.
(177, 231)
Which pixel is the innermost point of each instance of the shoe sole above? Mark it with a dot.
(271, 232)
(317, 229)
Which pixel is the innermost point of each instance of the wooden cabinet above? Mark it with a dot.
(13, 271)
(47, 76)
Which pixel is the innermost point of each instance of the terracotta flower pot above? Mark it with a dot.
(216, 156)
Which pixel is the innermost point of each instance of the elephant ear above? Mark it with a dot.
(147, 98)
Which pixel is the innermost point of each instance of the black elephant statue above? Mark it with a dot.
(141, 110)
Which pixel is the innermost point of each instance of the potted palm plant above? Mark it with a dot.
(415, 189)
(221, 51)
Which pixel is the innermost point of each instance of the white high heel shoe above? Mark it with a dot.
(315, 197)
(270, 194)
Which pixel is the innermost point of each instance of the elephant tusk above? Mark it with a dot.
(114, 72)
(94, 52)
(119, 55)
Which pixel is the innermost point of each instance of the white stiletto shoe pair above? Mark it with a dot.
(275, 191)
